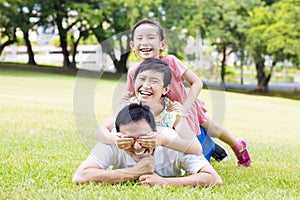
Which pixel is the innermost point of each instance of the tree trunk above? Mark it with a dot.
(107, 47)
(31, 59)
(121, 66)
(242, 61)
(63, 42)
(65, 52)
(262, 79)
(242, 74)
(75, 45)
(223, 63)
(12, 38)
(7, 43)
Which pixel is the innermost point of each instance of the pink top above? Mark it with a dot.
(196, 115)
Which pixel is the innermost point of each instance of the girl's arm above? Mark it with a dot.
(188, 141)
(182, 127)
(185, 145)
(103, 133)
(185, 142)
(196, 86)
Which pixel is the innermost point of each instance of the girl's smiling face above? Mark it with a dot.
(147, 42)
(149, 87)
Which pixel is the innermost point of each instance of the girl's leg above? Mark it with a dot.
(217, 132)
(210, 148)
(208, 145)
(238, 146)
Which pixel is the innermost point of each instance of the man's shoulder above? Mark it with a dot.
(99, 148)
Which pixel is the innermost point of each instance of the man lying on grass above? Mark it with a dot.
(159, 166)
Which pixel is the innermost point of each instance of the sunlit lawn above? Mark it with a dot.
(41, 145)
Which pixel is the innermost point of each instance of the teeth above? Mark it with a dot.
(145, 93)
(146, 50)
(139, 153)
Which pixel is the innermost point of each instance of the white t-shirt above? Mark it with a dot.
(169, 163)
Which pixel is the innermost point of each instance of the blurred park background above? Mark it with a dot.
(234, 41)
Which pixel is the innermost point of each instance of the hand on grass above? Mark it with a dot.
(152, 179)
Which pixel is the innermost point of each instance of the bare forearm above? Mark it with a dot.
(187, 137)
(103, 135)
(105, 176)
(199, 179)
(192, 95)
(191, 146)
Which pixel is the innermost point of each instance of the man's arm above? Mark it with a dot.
(206, 176)
(90, 171)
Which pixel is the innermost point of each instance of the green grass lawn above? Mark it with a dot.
(41, 146)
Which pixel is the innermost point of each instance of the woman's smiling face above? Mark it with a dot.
(148, 87)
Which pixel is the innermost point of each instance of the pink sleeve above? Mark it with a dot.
(130, 76)
(177, 67)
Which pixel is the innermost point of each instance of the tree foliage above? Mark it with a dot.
(8, 24)
(273, 34)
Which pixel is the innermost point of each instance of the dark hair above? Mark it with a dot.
(147, 21)
(134, 113)
(156, 65)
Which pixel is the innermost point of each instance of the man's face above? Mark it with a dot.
(135, 130)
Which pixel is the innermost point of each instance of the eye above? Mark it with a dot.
(141, 78)
(155, 81)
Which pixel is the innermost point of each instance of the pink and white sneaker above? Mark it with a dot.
(242, 154)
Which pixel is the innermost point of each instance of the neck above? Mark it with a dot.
(156, 109)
